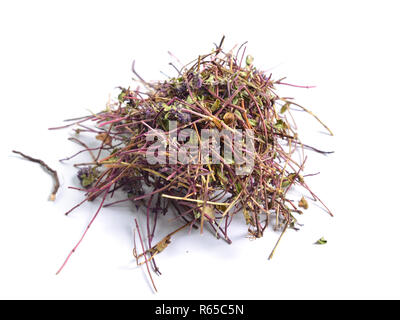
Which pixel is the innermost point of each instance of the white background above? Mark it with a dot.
(60, 58)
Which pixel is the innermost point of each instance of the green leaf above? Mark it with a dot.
(216, 105)
(210, 79)
(238, 114)
(286, 183)
(121, 96)
(166, 107)
(253, 122)
(321, 241)
(285, 107)
(88, 180)
(189, 100)
(238, 187)
(280, 124)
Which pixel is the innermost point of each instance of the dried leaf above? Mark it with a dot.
(321, 241)
(285, 107)
(162, 244)
(209, 211)
(280, 124)
(216, 105)
(253, 122)
(303, 203)
(105, 138)
(286, 183)
(239, 115)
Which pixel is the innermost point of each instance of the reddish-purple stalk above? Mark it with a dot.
(297, 86)
(83, 235)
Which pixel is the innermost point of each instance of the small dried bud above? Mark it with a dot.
(87, 176)
(181, 116)
(249, 60)
(229, 118)
(197, 81)
(181, 91)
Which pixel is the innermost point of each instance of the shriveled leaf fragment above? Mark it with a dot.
(159, 247)
(297, 177)
(209, 211)
(303, 203)
(246, 216)
(105, 138)
(162, 244)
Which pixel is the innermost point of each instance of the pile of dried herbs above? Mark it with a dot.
(220, 91)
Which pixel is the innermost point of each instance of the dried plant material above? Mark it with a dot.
(51, 171)
(212, 142)
(158, 248)
(321, 241)
(303, 203)
(105, 138)
(209, 211)
(87, 176)
(229, 118)
(145, 257)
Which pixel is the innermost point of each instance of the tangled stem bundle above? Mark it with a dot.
(216, 91)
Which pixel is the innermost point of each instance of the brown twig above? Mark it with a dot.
(44, 165)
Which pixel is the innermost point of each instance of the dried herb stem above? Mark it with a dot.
(45, 166)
